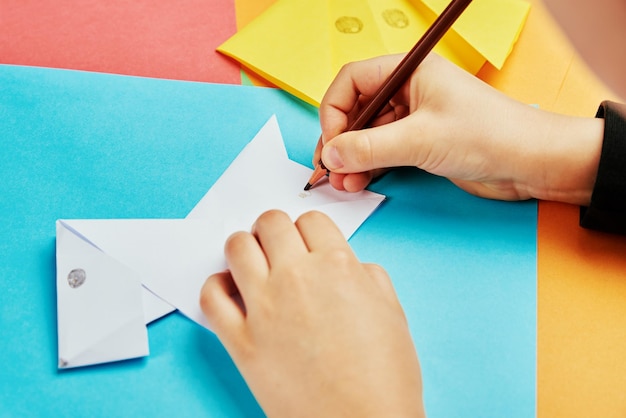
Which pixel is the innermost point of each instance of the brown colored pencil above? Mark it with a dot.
(400, 74)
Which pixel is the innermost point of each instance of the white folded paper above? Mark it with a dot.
(114, 276)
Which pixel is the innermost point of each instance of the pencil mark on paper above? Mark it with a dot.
(396, 18)
(304, 194)
(349, 24)
(76, 278)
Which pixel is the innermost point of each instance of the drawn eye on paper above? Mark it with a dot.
(396, 18)
(349, 24)
(76, 278)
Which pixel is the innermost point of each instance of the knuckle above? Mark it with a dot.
(377, 269)
(341, 257)
(295, 273)
(346, 68)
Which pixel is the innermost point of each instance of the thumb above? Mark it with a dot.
(220, 302)
(390, 145)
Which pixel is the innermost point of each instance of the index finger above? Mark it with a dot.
(319, 232)
(354, 81)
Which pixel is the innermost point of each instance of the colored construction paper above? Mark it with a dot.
(80, 145)
(301, 45)
(486, 24)
(246, 11)
(169, 39)
(86, 145)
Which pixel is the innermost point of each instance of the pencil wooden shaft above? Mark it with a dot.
(409, 64)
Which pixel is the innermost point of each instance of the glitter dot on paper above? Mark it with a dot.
(76, 278)
(349, 24)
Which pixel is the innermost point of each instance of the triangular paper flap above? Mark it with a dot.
(258, 175)
(99, 302)
(154, 307)
(173, 256)
(249, 169)
(109, 348)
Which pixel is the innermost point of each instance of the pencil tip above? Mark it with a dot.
(308, 186)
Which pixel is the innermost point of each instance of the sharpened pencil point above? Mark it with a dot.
(318, 173)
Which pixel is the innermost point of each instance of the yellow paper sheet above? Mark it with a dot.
(287, 45)
(402, 22)
(353, 36)
(492, 27)
(300, 45)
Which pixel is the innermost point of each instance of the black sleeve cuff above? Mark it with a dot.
(607, 210)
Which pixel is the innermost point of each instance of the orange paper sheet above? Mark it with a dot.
(581, 298)
(582, 274)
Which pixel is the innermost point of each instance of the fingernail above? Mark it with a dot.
(332, 159)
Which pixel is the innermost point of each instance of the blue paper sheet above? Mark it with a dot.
(88, 145)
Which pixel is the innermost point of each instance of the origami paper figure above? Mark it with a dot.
(116, 275)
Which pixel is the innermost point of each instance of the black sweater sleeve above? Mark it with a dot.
(607, 210)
